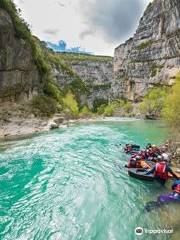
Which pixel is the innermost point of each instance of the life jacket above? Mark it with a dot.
(160, 171)
(177, 189)
(144, 164)
(132, 163)
(138, 164)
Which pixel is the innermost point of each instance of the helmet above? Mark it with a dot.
(159, 157)
(138, 157)
(165, 157)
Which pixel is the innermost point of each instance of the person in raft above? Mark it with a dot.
(161, 171)
(174, 196)
(137, 162)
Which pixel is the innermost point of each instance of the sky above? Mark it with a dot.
(95, 25)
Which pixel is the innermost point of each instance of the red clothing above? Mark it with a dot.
(177, 189)
(160, 171)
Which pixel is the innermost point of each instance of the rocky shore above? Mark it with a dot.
(18, 128)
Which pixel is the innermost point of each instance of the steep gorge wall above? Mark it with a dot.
(19, 76)
(97, 75)
(152, 56)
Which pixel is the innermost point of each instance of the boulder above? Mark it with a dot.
(53, 126)
(59, 120)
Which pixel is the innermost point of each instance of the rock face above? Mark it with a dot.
(152, 56)
(97, 76)
(19, 77)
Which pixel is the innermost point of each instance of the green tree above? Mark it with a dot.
(43, 106)
(109, 110)
(153, 102)
(171, 110)
(85, 112)
(71, 103)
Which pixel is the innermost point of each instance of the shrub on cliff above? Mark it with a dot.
(154, 101)
(44, 106)
(145, 44)
(51, 90)
(109, 110)
(171, 110)
(122, 106)
(40, 56)
(98, 102)
(85, 112)
(22, 31)
(70, 103)
(21, 27)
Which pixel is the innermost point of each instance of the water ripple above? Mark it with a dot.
(70, 184)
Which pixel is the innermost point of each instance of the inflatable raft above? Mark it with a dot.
(140, 174)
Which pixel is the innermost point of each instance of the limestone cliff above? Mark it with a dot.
(19, 76)
(24, 58)
(96, 72)
(152, 56)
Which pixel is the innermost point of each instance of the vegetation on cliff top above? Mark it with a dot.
(21, 27)
(79, 57)
(23, 32)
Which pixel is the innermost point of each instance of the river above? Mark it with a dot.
(71, 184)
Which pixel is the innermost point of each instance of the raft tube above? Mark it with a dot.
(140, 174)
(132, 152)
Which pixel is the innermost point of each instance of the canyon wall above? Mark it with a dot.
(152, 57)
(19, 76)
(97, 75)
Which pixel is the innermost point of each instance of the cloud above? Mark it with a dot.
(115, 20)
(60, 4)
(85, 33)
(96, 25)
(52, 32)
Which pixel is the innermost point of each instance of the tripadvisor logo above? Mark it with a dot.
(139, 231)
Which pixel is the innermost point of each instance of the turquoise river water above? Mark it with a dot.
(70, 184)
